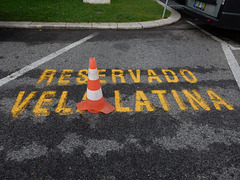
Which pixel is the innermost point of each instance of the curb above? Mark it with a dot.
(175, 16)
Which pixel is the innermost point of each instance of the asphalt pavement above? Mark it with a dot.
(176, 99)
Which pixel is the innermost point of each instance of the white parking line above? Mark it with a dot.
(43, 60)
(232, 62)
(234, 48)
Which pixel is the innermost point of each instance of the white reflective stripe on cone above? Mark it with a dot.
(93, 74)
(94, 95)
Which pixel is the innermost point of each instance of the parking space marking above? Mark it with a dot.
(144, 100)
(232, 62)
(43, 60)
(193, 97)
(234, 48)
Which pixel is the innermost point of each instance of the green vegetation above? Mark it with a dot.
(77, 11)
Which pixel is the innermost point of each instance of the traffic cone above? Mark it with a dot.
(95, 102)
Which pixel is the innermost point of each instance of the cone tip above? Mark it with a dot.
(92, 63)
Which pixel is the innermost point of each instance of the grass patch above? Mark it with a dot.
(77, 11)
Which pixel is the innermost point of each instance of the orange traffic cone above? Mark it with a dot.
(95, 102)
